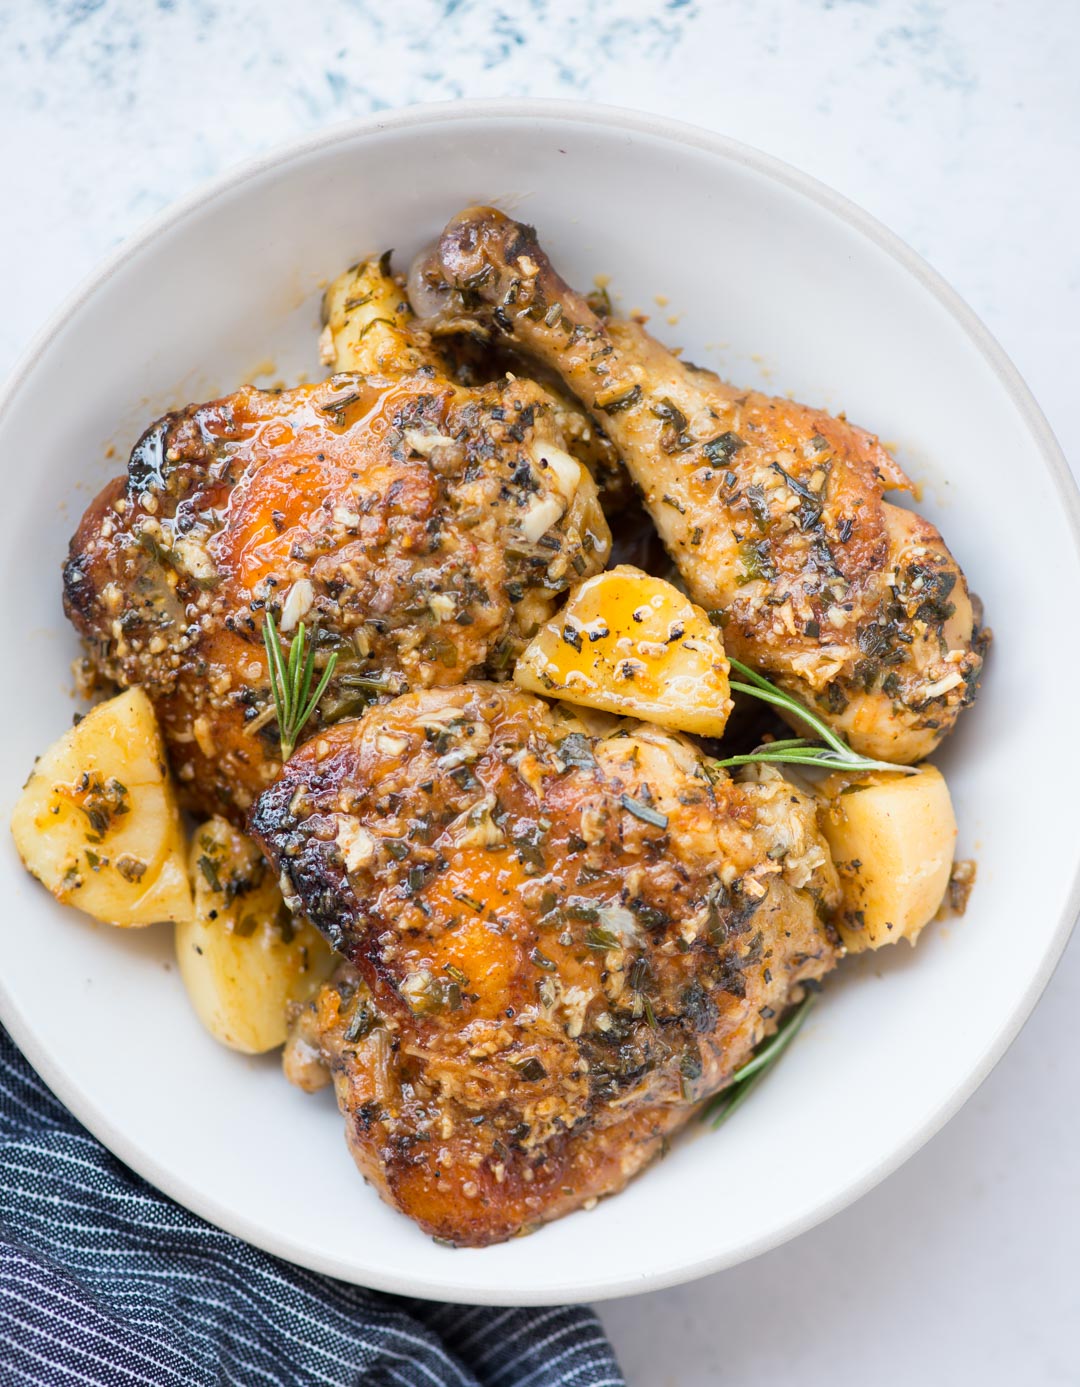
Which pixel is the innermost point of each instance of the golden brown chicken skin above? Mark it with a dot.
(420, 530)
(562, 940)
(773, 511)
(369, 325)
(479, 351)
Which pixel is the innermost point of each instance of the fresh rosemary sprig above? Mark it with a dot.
(799, 751)
(745, 1079)
(290, 682)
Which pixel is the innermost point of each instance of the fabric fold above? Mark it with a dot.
(106, 1282)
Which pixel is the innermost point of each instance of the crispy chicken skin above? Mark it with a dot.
(773, 511)
(420, 529)
(560, 936)
(480, 351)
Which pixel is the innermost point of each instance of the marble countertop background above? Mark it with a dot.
(957, 122)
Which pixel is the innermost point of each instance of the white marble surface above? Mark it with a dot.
(957, 122)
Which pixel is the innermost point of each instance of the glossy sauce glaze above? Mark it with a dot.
(774, 512)
(557, 937)
(418, 529)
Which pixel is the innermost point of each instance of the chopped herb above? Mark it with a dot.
(99, 820)
(756, 562)
(699, 1008)
(361, 1024)
(649, 915)
(640, 975)
(150, 545)
(530, 1069)
(670, 412)
(759, 506)
(208, 867)
(809, 513)
(416, 878)
(602, 939)
(645, 812)
(690, 1068)
(722, 449)
(575, 750)
(799, 488)
(340, 405)
(101, 802)
(599, 300)
(614, 404)
(427, 995)
(528, 839)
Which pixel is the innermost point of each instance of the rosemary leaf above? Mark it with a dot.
(799, 751)
(290, 682)
(645, 812)
(746, 1078)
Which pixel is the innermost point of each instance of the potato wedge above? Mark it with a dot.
(98, 823)
(892, 838)
(368, 324)
(242, 956)
(631, 644)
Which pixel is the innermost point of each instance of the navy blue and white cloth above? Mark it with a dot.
(106, 1283)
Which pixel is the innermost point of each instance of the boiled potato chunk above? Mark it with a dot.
(242, 956)
(892, 838)
(98, 823)
(365, 314)
(634, 645)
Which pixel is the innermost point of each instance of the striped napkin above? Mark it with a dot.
(103, 1281)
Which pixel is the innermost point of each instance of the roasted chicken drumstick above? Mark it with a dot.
(559, 941)
(773, 511)
(421, 530)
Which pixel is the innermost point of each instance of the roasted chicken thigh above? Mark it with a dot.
(556, 932)
(420, 529)
(773, 511)
(560, 938)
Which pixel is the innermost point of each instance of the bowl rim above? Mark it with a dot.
(634, 122)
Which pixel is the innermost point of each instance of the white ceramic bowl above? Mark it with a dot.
(772, 277)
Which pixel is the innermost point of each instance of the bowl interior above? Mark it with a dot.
(771, 285)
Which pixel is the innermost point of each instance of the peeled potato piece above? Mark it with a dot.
(892, 838)
(242, 956)
(631, 644)
(369, 325)
(98, 823)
